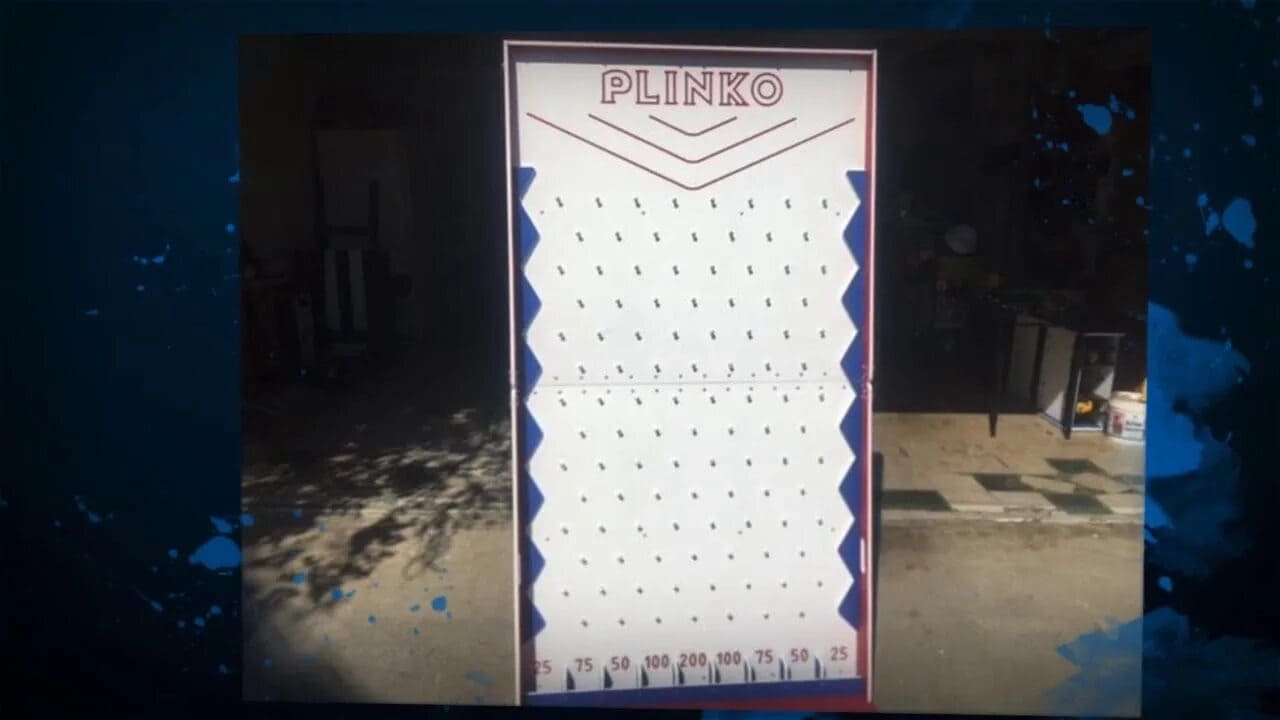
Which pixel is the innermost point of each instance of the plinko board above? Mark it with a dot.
(691, 260)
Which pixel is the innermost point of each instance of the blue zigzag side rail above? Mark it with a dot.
(528, 372)
(856, 366)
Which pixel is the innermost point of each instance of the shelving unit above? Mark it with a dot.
(1092, 377)
(1055, 367)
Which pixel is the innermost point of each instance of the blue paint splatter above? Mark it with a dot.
(1195, 127)
(1066, 202)
(1113, 104)
(215, 610)
(1096, 117)
(1108, 677)
(440, 603)
(1202, 371)
(350, 594)
(140, 288)
(1130, 114)
(1141, 201)
(1071, 94)
(173, 554)
(1186, 153)
(1176, 682)
(1127, 172)
(1035, 113)
(1249, 140)
(182, 624)
(1256, 99)
(1203, 507)
(415, 608)
(479, 679)
(92, 312)
(158, 260)
(1192, 259)
(218, 553)
(1063, 146)
(93, 517)
(220, 525)
(373, 619)
(230, 228)
(1202, 200)
(154, 605)
(417, 632)
(1238, 221)
(1248, 264)
(1036, 183)
(299, 578)
(1165, 584)
(199, 622)
(336, 593)
(297, 514)
(1211, 223)
(246, 520)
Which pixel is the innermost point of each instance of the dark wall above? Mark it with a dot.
(442, 96)
(957, 144)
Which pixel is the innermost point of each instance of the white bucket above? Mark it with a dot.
(1127, 417)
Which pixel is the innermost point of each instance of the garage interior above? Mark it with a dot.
(1010, 236)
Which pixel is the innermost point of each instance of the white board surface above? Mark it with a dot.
(691, 259)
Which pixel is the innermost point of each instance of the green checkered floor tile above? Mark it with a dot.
(1075, 467)
(1076, 504)
(997, 482)
(929, 500)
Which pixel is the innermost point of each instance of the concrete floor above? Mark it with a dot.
(403, 633)
(971, 613)
(379, 567)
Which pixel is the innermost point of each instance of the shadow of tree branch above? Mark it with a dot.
(411, 462)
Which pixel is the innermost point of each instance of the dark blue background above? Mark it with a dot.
(121, 388)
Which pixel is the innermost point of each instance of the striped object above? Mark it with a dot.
(346, 297)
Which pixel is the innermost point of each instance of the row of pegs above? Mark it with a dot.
(713, 269)
(784, 461)
(638, 397)
(639, 590)
(712, 202)
(731, 236)
(694, 303)
(712, 334)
